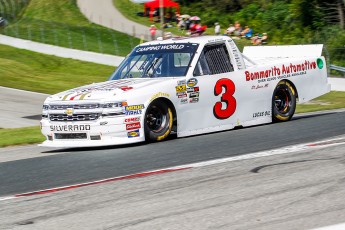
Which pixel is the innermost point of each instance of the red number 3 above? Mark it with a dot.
(227, 98)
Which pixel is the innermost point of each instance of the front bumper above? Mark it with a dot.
(103, 132)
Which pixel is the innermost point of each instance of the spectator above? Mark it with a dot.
(182, 24)
(217, 28)
(255, 38)
(230, 30)
(247, 32)
(167, 17)
(177, 18)
(238, 29)
(197, 29)
(262, 39)
(153, 31)
(187, 24)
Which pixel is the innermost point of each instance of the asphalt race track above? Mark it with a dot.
(291, 191)
(83, 165)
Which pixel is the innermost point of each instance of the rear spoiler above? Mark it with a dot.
(293, 51)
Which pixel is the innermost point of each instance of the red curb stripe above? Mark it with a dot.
(131, 176)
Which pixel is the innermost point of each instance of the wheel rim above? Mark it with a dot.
(282, 100)
(156, 119)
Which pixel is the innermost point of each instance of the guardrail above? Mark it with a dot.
(338, 68)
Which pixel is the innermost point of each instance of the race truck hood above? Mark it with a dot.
(104, 90)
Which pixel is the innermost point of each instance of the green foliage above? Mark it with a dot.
(285, 21)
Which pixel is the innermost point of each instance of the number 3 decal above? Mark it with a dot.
(227, 98)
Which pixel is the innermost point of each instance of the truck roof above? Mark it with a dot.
(196, 39)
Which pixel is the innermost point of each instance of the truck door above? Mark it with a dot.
(211, 93)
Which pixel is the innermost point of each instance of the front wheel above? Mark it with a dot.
(283, 102)
(158, 121)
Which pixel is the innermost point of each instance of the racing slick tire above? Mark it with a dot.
(158, 121)
(283, 102)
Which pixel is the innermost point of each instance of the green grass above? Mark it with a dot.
(331, 100)
(27, 135)
(61, 23)
(36, 72)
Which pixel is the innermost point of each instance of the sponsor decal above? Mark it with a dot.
(131, 126)
(194, 94)
(262, 114)
(189, 90)
(160, 94)
(134, 133)
(192, 82)
(69, 128)
(260, 86)
(235, 52)
(182, 95)
(131, 120)
(194, 89)
(215, 40)
(103, 123)
(133, 112)
(194, 100)
(181, 82)
(134, 107)
(159, 47)
(281, 72)
(184, 101)
(180, 88)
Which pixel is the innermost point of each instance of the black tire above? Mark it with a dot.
(283, 102)
(158, 121)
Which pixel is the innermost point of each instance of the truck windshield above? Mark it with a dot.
(155, 61)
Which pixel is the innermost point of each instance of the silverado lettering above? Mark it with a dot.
(69, 128)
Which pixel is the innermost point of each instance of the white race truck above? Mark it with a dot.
(189, 86)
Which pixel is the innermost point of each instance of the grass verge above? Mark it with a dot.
(27, 135)
(37, 72)
(331, 100)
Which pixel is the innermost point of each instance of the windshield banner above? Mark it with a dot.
(180, 48)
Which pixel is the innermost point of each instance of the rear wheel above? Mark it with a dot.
(158, 121)
(283, 102)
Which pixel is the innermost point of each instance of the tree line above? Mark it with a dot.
(285, 21)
